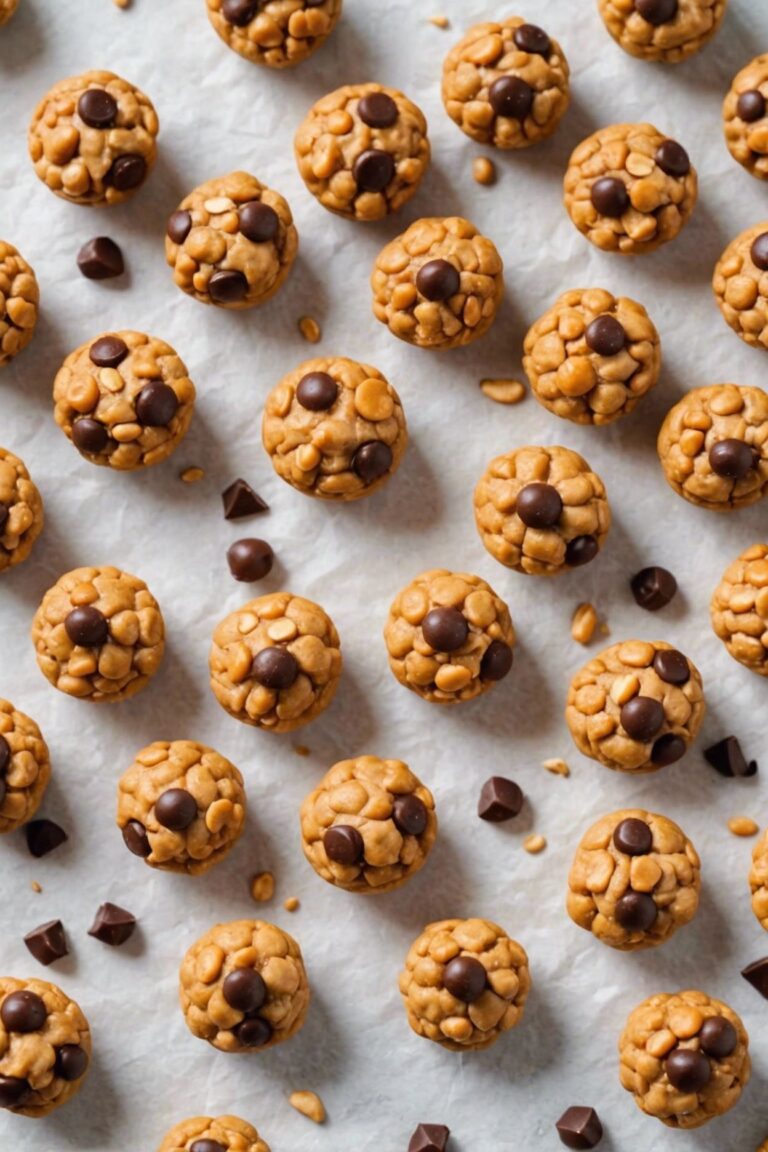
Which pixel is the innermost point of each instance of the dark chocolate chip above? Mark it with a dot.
(636, 911)
(71, 1062)
(227, 286)
(673, 159)
(239, 12)
(500, 800)
(372, 460)
(687, 1070)
(606, 335)
(377, 110)
(609, 197)
(135, 838)
(727, 758)
(633, 837)
(750, 106)
(244, 989)
(47, 942)
(732, 459)
(23, 1012)
(373, 170)
(207, 1146)
(108, 351)
(511, 96)
(539, 505)
(718, 1037)
(12, 1091)
(254, 1032)
(653, 588)
(89, 435)
(100, 259)
(97, 108)
(410, 815)
(87, 627)
(127, 172)
(156, 404)
(445, 629)
(112, 925)
(5, 755)
(671, 666)
(581, 550)
(429, 1138)
(438, 280)
(657, 12)
(465, 978)
(250, 559)
(317, 391)
(4, 514)
(275, 668)
(668, 749)
(240, 500)
(176, 809)
(343, 844)
(580, 1128)
(759, 252)
(642, 717)
(756, 974)
(43, 836)
(497, 660)
(258, 222)
(531, 38)
(179, 225)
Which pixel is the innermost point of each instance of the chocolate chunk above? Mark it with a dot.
(254, 1032)
(71, 1062)
(580, 1127)
(673, 159)
(275, 668)
(240, 500)
(429, 1138)
(657, 12)
(377, 110)
(239, 12)
(343, 844)
(671, 666)
(500, 799)
(409, 814)
(250, 559)
(135, 839)
(581, 550)
(606, 336)
(636, 911)
(373, 170)
(100, 259)
(5, 754)
(531, 38)
(317, 391)
(539, 505)
(609, 197)
(497, 660)
(372, 460)
(108, 351)
(23, 1012)
(759, 251)
(87, 627)
(687, 1070)
(258, 222)
(653, 588)
(667, 750)
(750, 106)
(179, 225)
(465, 978)
(47, 942)
(127, 172)
(633, 837)
(227, 286)
(112, 925)
(97, 108)
(176, 809)
(756, 974)
(727, 758)
(4, 514)
(438, 280)
(89, 435)
(718, 1037)
(207, 1146)
(156, 404)
(642, 717)
(12, 1091)
(511, 96)
(731, 459)
(445, 629)
(43, 836)
(244, 989)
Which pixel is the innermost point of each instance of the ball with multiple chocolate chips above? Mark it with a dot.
(506, 84)
(684, 1057)
(713, 446)
(19, 302)
(634, 880)
(739, 609)
(449, 637)
(21, 511)
(745, 117)
(213, 1134)
(664, 30)
(243, 986)
(25, 767)
(636, 706)
(740, 285)
(465, 982)
(45, 1050)
(92, 138)
(334, 428)
(274, 33)
(231, 242)
(362, 151)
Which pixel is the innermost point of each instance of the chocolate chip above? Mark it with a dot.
(4, 514)
(657, 12)
(47, 942)
(5, 754)
(759, 252)
(465, 978)
(12, 1091)
(156, 404)
(727, 758)
(112, 925)
(687, 1070)
(89, 435)
(87, 627)
(207, 1146)
(254, 1032)
(343, 844)
(581, 550)
(642, 717)
(176, 809)
(372, 460)
(97, 108)
(108, 351)
(756, 974)
(445, 629)
(750, 106)
(667, 750)
(671, 666)
(438, 280)
(239, 12)
(258, 222)
(373, 170)
(227, 286)
(429, 1138)
(135, 839)
(673, 159)
(317, 391)
(732, 459)
(539, 505)
(275, 668)
(580, 1128)
(633, 837)
(497, 660)
(43, 836)
(606, 336)
(240, 500)
(244, 989)
(511, 96)
(179, 225)
(377, 110)
(636, 911)
(653, 588)
(71, 1062)
(500, 800)
(250, 559)
(531, 38)
(127, 172)
(410, 815)
(609, 197)
(718, 1037)
(23, 1012)
(100, 259)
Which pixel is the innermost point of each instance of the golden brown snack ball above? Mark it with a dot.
(739, 609)
(745, 117)
(664, 30)
(276, 33)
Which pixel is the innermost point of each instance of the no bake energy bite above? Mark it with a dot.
(25, 767)
(277, 33)
(745, 117)
(21, 511)
(739, 609)
(665, 30)
(740, 285)
(19, 302)
(213, 1134)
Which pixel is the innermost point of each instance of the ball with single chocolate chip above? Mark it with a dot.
(739, 609)
(275, 663)
(25, 767)
(745, 117)
(243, 986)
(465, 982)
(592, 356)
(277, 33)
(713, 446)
(334, 428)
(634, 880)
(541, 510)
(636, 706)
(99, 634)
(92, 138)
(362, 151)
(231, 242)
(439, 284)
(21, 511)
(684, 1057)
(449, 637)
(506, 83)
(758, 880)
(740, 284)
(45, 1047)
(665, 30)
(180, 806)
(369, 825)
(19, 302)
(213, 1134)
(124, 399)
(629, 188)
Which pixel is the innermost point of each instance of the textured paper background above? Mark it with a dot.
(377, 1079)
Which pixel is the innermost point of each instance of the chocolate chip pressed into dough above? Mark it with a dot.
(745, 117)
(19, 302)
(21, 511)
(664, 30)
(277, 33)
(740, 285)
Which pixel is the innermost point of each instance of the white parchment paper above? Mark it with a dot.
(378, 1080)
